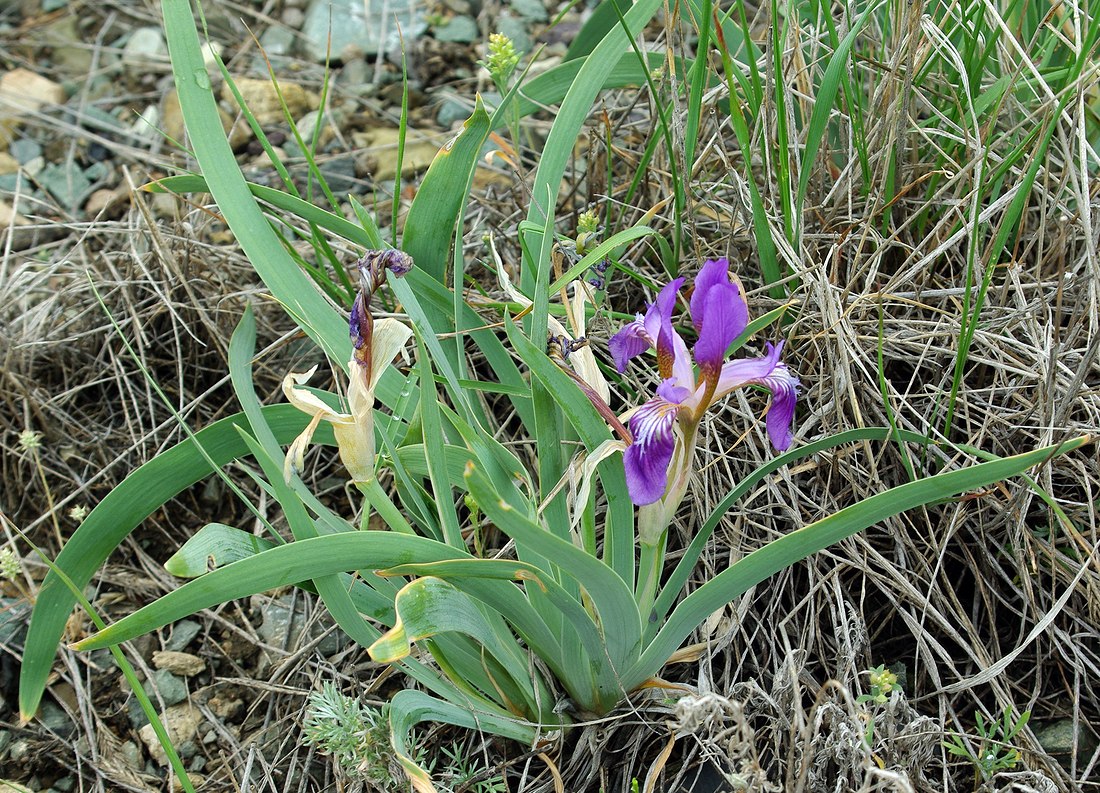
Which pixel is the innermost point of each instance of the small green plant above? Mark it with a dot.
(995, 751)
(356, 736)
(883, 683)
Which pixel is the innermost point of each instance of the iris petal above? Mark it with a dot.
(648, 457)
(724, 317)
(714, 271)
(784, 388)
(629, 342)
(768, 371)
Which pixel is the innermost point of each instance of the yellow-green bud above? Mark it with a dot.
(502, 59)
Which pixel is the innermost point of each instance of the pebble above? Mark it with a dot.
(277, 41)
(8, 164)
(293, 18)
(144, 48)
(182, 723)
(263, 100)
(66, 183)
(171, 689)
(69, 53)
(182, 634)
(183, 664)
(23, 91)
(106, 203)
(452, 111)
(24, 150)
(532, 10)
(366, 27)
(459, 29)
(516, 30)
(340, 174)
(53, 5)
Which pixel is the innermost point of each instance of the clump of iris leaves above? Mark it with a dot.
(583, 584)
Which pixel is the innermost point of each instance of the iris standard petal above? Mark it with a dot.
(724, 318)
(714, 271)
(647, 458)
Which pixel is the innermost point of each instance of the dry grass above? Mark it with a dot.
(985, 602)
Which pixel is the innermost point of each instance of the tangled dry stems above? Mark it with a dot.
(986, 602)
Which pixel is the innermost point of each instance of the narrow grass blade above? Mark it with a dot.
(785, 551)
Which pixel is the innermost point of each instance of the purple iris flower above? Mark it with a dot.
(719, 313)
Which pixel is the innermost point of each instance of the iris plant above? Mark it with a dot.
(657, 467)
(376, 343)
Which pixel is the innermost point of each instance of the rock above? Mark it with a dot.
(516, 30)
(34, 166)
(145, 47)
(380, 156)
(24, 150)
(67, 184)
(263, 101)
(183, 664)
(53, 5)
(68, 51)
(23, 91)
(1057, 739)
(459, 29)
(365, 27)
(23, 236)
(171, 689)
(8, 164)
(339, 172)
(182, 723)
(294, 18)
(182, 634)
(531, 10)
(225, 707)
(452, 111)
(277, 41)
(130, 755)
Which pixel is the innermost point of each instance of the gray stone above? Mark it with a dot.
(53, 5)
(293, 18)
(14, 612)
(67, 184)
(516, 30)
(358, 27)
(340, 174)
(532, 10)
(277, 41)
(1057, 738)
(34, 166)
(172, 689)
(450, 112)
(97, 171)
(282, 629)
(145, 47)
(182, 634)
(65, 784)
(56, 720)
(459, 29)
(357, 76)
(24, 150)
(19, 750)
